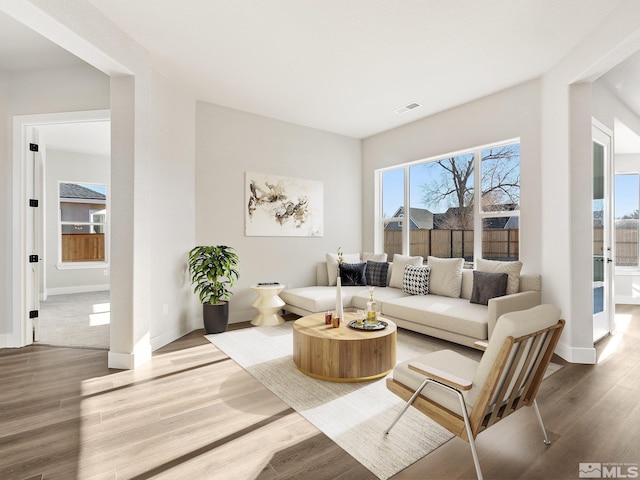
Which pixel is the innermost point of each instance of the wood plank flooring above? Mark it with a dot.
(192, 413)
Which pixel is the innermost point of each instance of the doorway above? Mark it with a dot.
(603, 254)
(67, 297)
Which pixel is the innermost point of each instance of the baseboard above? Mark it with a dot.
(5, 340)
(160, 341)
(626, 300)
(242, 316)
(78, 289)
(129, 361)
(576, 354)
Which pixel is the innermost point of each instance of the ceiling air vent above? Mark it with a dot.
(406, 108)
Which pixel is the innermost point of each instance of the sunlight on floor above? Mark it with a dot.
(96, 319)
(101, 314)
(621, 325)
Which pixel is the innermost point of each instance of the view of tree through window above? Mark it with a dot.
(442, 204)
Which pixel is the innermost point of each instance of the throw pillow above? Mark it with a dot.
(374, 257)
(487, 286)
(332, 264)
(352, 274)
(510, 268)
(376, 273)
(397, 270)
(445, 277)
(416, 279)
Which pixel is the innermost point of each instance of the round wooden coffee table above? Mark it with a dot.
(343, 354)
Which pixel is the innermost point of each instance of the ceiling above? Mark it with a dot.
(342, 66)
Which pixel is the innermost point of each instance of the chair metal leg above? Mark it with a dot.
(472, 442)
(544, 430)
(407, 405)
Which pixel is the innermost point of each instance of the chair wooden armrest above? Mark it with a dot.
(441, 376)
(481, 345)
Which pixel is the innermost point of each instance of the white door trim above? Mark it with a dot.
(21, 334)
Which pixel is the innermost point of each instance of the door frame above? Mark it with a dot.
(603, 135)
(22, 326)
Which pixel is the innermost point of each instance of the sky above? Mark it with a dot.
(626, 194)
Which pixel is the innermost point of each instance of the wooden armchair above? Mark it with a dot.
(465, 396)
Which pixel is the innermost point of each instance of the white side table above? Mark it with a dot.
(268, 304)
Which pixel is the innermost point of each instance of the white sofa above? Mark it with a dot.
(453, 319)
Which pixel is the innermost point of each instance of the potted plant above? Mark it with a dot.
(213, 271)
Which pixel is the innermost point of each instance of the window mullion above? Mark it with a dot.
(406, 224)
(477, 204)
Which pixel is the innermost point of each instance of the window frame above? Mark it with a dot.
(626, 268)
(62, 265)
(479, 215)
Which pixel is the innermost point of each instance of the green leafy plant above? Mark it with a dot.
(213, 271)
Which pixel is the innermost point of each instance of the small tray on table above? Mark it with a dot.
(379, 325)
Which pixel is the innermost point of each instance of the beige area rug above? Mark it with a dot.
(75, 320)
(354, 415)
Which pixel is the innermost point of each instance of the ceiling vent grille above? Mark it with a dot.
(407, 108)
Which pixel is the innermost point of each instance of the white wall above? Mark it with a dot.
(230, 143)
(172, 212)
(41, 91)
(5, 217)
(505, 115)
(70, 167)
(607, 108)
(152, 126)
(566, 173)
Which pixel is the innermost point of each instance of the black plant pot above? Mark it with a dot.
(215, 317)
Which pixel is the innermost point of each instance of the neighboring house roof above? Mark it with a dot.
(627, 223)
(423, 219)
(73, 190)
(419, 219)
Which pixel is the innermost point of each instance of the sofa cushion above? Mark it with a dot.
(445, 276)
(488, 285)
(318, 299)
(332, 264)
(380, 294)
(352, 274)
(510, 268)
(374, 257)
(376, 273)
(445, 360)
(416, 279)
(397, 270)
(451, 314)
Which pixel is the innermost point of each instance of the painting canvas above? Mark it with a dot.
(283, 206)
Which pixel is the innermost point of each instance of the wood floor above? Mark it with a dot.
(192, 413)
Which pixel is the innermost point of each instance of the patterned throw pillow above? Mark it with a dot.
(376, 273)
(416, 279)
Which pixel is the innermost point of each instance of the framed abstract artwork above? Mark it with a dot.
(282, 206)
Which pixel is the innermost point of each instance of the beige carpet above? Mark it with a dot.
(354, 415)
(75, 320)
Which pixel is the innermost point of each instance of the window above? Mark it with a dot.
(627, 203)
(500, 206)
(83, 222)
(446, 196)
(393, 210)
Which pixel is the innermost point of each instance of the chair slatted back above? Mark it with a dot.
(516, 376)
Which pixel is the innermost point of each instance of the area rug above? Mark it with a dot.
(354, 415)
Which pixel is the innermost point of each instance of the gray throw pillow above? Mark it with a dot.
(376, 273)
(352, 274)
(487, 286)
